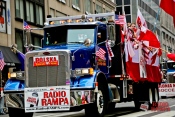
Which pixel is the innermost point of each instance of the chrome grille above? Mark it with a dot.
(48, 75)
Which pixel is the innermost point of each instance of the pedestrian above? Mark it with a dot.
(2, 100)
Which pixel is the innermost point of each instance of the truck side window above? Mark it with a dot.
(101, 36)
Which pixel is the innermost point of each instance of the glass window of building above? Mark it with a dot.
(98, 8)
(2, 16)
(39, 15)
(36, 40)
(126, 2)
(128, 18)
(19, 9)
(30, 11)
(119, 10)
(88, 6)
(19, 40)
(127, 10)
(76, 2)
(119, 2)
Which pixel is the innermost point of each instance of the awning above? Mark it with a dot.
(9, 56)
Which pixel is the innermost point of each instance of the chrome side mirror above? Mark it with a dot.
(87, 42)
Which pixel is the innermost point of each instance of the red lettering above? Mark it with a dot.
(47, 59)
(51, 59)
(63, 93)
(49, 102)
(166, 90)
(55, 59)
(37, 60)
(173, 85)
(66, 101)
(50, 94)
(61, 100)
(46, 95)
(43, 102)
(55, 101)
(41, 60)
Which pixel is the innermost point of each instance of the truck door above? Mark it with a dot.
(102, 37)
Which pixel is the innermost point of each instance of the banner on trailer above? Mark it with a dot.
(47, 99)
(167, 89)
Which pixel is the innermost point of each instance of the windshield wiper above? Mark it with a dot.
(76, 42)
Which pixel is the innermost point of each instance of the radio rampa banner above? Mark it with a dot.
(39, 99)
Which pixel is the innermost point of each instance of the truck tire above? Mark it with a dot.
(99, 107)
(16, 112)
(155, 97)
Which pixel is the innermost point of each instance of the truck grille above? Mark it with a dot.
(48, 75)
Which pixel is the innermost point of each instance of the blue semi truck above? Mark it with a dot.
(73, 70)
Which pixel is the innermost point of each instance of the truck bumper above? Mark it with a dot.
(78, 97)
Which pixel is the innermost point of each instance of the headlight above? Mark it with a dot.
(13, 75)
(84, 71)
(18, 75)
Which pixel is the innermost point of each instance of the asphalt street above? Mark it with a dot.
(121, 110)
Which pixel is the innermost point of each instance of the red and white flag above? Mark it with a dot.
(171, 56)
(169, 7)
(140, 21)
(148, 35)
(109, 50)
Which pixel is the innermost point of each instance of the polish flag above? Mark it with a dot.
(169, 7)
(140, 21)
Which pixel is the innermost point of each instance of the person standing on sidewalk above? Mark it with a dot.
(2, 102)
(2, 64)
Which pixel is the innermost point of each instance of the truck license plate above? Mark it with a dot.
(40, 99)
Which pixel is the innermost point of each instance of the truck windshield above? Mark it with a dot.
(68, 35)
(79, 35)
(171, 65)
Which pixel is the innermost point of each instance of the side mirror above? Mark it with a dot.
(173, 66)
(87, 42)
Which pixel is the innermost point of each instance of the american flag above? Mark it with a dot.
(25, 25)
(100, 53)
(119, 19)
(2, 63)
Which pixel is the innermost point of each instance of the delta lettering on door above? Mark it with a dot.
(167, 89)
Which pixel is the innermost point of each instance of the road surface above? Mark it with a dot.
(122, 110)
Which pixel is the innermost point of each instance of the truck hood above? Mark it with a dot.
(83, 55)
(71, 47)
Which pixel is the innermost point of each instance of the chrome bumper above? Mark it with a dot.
(77, 98)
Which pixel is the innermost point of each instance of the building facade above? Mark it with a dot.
(59, 8)
(157, 20)
(12, 15)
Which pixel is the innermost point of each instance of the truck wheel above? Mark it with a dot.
(150, 98)
(16, 112)
(156, 97)
(98, 108)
